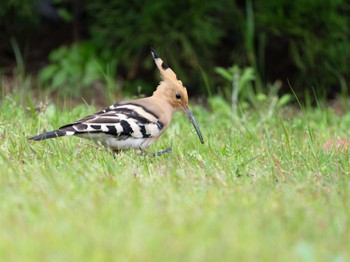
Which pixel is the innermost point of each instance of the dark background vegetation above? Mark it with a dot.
(75, 45)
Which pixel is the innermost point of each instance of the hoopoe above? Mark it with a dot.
(133, 124)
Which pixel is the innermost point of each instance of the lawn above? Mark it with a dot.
(261, 188)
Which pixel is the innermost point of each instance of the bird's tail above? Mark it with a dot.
(51, 134)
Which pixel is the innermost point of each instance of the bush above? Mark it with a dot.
(78, 66)
(306, 41)
(186, 31)
(17, 16)
(18, 19)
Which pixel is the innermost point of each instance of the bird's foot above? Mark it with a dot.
(159, 153)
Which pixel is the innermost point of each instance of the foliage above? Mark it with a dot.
(18, 19)
(184, 32)
(242, 89)
(17, 16)
(242, 82)
(78, 66)
(303, 42)
(252, 186)
(313, 34)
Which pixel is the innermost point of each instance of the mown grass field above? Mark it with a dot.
(261, 188)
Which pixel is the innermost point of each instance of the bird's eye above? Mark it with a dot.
(178, 96)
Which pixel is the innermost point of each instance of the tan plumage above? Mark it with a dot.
(136, 123)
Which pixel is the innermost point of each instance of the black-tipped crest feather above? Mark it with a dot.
(154, 53)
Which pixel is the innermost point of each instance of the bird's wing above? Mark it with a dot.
(120, 120)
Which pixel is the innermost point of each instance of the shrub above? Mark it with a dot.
(78, 66)
(306, 41)
(187, 31)
(18, 19)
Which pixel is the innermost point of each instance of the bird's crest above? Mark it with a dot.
(166, 72)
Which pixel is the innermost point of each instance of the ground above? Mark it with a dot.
(261, 188)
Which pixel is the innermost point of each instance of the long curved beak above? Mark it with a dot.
(193, 121)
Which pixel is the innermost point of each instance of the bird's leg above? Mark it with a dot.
(115, 153)
(159, 153)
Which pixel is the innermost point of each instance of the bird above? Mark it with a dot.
(134, 124)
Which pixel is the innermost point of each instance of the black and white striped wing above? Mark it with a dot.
(124, 121)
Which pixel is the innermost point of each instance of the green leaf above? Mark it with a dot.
(224, 73)
(284, 100)
(58, 54)
(92, 70)
(47, 73)
(59, 79)
(65, 15)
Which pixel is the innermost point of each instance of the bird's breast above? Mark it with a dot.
(119, 143)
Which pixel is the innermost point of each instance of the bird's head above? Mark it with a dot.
(172, 89)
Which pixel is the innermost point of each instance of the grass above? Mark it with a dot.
(260, 189)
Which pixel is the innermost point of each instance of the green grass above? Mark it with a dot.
(260, 189)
